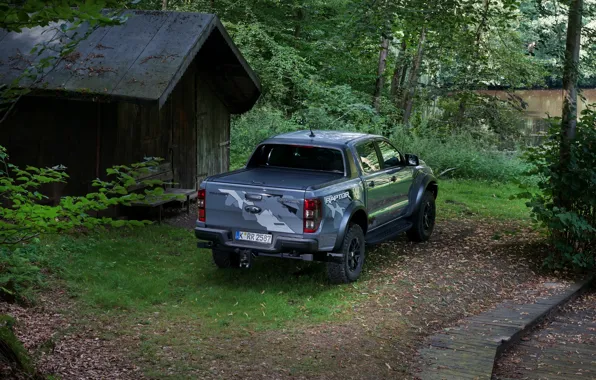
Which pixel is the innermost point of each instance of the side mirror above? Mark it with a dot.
(412, 160)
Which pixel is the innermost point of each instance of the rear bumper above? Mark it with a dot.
(223, 239)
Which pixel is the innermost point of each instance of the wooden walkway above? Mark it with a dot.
(564, 348)
(469, 350)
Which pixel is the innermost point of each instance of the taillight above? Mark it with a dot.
(312, 215)
(201, 203)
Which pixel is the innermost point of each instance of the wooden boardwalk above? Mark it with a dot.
(563, 348)
(469, 350)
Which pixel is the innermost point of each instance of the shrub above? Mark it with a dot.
(255, 126)
(19, 272)
(24, 218)
(485, 118)
(471, 156)
(572, 228)
(468, 157)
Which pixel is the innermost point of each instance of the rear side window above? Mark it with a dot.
(368, 157)
(298, 157)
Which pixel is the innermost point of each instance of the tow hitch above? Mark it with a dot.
(245, 258)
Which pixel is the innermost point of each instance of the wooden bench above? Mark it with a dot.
(164, 173)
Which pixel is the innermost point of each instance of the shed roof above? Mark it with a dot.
(141, 60)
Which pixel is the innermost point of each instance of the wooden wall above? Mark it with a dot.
(191, 130)
(199, 125)
(47, 132)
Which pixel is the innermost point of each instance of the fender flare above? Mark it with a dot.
(418, 190)
(345, 221)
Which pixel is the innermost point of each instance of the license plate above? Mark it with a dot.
(251, 236)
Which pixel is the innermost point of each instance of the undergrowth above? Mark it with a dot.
(460, 154)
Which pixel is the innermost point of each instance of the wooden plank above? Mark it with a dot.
(179, 118)
(460, 342)
(187, 192)
(151, 202)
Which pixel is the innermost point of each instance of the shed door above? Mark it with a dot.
(213, 133)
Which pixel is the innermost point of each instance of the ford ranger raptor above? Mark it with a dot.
(316, 196)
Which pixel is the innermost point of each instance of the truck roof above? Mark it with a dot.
(321, 137)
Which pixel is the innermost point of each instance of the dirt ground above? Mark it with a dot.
(563, 346)
(411, 291)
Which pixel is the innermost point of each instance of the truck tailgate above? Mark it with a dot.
(241, 207)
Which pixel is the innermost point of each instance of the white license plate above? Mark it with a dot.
(251, 236)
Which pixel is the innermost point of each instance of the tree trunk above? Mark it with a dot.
(482, 24)
(570, 74)
(300, 16)
(400, 67)
(164, 5)
(380, 73)
(413, 80)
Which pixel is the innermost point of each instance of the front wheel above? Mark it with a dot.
(353, 258)
(423, 220)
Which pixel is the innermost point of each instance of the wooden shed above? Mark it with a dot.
(163, 84)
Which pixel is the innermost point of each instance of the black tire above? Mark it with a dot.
(225, 259)
(423, 220)
(354, 255)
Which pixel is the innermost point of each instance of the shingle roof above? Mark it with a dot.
(141, 60)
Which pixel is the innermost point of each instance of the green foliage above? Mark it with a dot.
(468, 157)
(24, 217)
(544, 23)
(20, 272)
(16, 15)
(318, 60)
(485, 118)
(253, 127)
(572, 227)
(471, 156)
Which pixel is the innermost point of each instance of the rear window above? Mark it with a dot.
(298, 157)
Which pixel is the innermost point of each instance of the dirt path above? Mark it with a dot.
(61, 345)
(408, 292)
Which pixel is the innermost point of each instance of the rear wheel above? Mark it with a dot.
(354, 254)
(423, 219)
(225, 259)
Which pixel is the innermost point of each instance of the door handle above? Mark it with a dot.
(393, 179)
(371, 184)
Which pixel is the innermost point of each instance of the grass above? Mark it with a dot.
(159, 269)
(156, 278)
(479, 199)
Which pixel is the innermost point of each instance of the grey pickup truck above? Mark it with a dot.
(316, 196)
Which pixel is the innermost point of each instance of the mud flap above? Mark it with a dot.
(335, 257)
